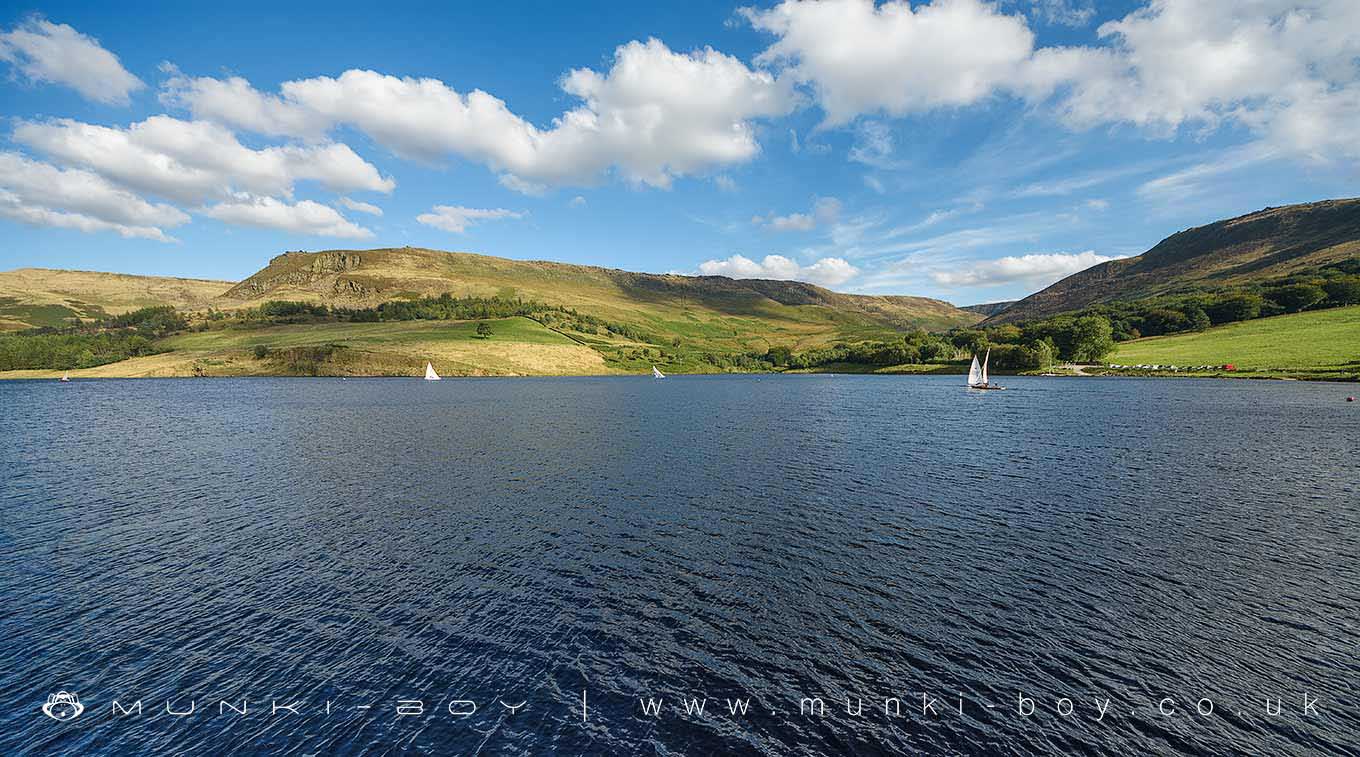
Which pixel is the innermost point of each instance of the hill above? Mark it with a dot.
(715, 310)
(988, 308)
(1268, 243)
(31, 297)
(387, 312)
(1319, 344)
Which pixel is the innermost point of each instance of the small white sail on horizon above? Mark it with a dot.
(430, 375)
(974, 373)
(985, 361)
(657, 374)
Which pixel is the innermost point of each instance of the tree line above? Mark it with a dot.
(89, 344)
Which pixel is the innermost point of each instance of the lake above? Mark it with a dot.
(318, 566)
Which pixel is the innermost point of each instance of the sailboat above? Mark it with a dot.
(977, 375)
(65, 378)
(430, 375)
(657, 374)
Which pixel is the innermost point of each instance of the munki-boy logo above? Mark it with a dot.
(63, 706)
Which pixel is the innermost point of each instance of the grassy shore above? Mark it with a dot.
(1324, 344)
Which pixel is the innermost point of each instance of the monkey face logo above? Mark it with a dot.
(63, 706)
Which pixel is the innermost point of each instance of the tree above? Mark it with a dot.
(1091, 339)
(970, 340)
(1198, 320)
(1343, 290)
(1164, 321)
(484, 329)
(1235, 307)
(1296, 297)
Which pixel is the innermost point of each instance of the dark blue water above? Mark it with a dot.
(340, 548)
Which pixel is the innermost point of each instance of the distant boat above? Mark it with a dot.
(657, 374)
(977, 375)
(65, 378)
(430, 375)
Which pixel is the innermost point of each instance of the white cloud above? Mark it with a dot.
(361, 207)
(14, 208)
(824, 211)
(456, 218)
(874, 146)
(860, 58)
(790, 222)
(1073, 13)
(654, 116)
(725, 183)
(1282, 68)
(234, 101)
(577, 202)
(1179, 186)
(190, 161)
(1036, 269)
(1285, 69)
(36, 184)
(828, 272)
(57, 53)
(305, 217)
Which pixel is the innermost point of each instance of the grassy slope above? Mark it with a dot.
(1268, 243)
(683, 315)
(709, 312)
(517, 346)
(44, 297)
(1320, 344)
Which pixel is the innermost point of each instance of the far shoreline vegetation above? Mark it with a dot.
(297, 338)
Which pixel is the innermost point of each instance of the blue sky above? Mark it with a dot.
(959, 149)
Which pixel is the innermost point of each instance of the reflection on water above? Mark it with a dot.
(1112, 542)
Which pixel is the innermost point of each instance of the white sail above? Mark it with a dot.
(657, 374)
(974, 373)
(986, 360)
(430, 375)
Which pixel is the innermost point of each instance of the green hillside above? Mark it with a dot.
(34, 297)
(1270, 243)
(721, 312)
(568, 319)
(1321, 344)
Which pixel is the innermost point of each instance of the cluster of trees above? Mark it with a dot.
(445, 307)
(87, 345)
(1333, 286)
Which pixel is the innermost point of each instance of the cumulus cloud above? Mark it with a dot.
(824, 211)
(653, 116)
(66, 194)
(861, 58)
(234, 101)
(13, 207)
(361, 207)
(1282, 68)
(1035, 269)
(456, 218)
(577, 202)
(56, 53)
(190, 161)
(305, 217)
(828, 272)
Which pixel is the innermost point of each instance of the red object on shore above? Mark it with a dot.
(1230, 367)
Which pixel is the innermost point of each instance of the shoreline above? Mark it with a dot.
(76, 375)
